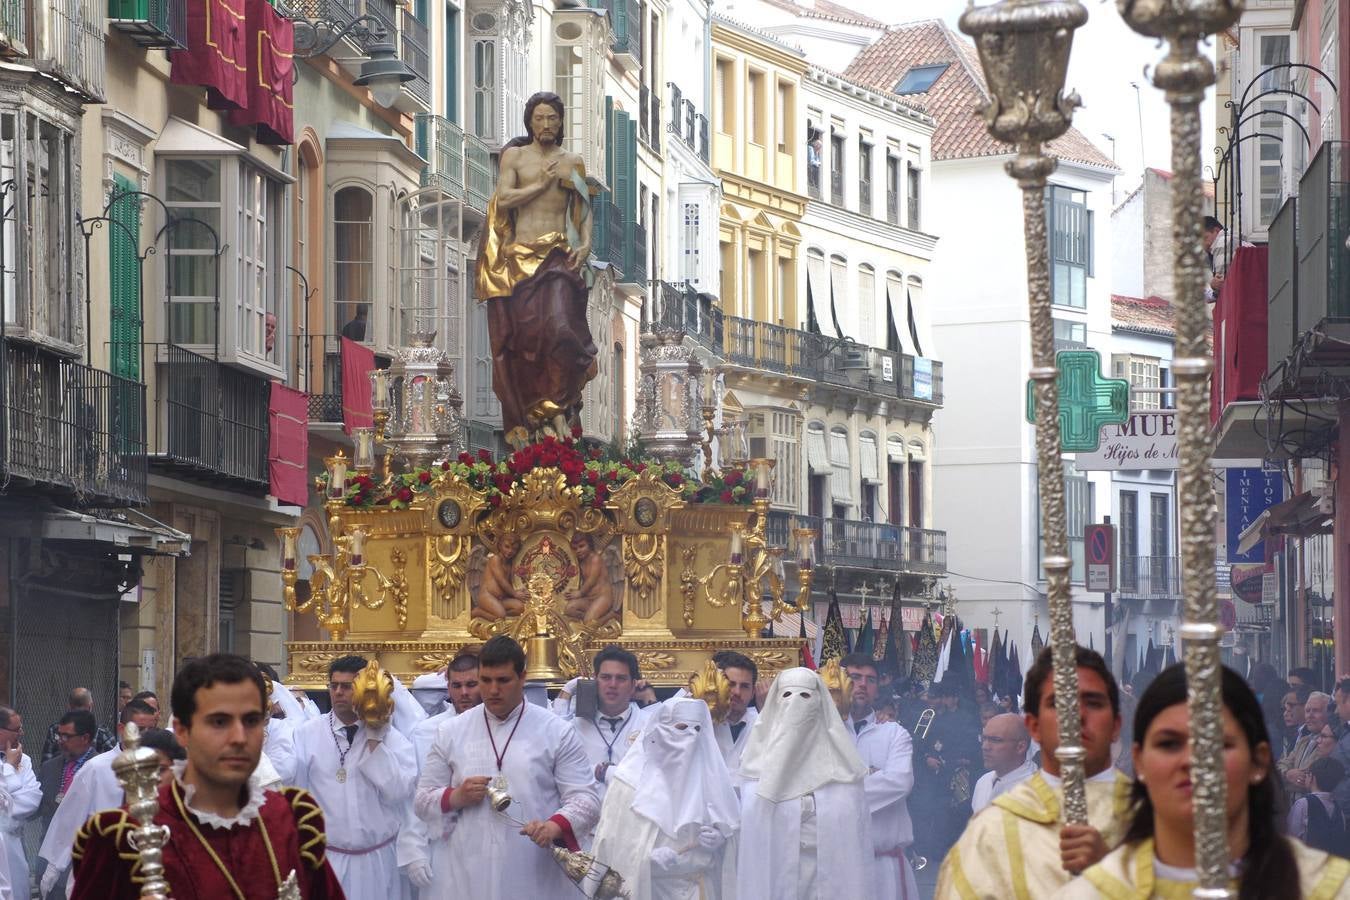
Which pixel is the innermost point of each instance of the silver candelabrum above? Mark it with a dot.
(137, 771)
(1024, 51)
(1184, 75)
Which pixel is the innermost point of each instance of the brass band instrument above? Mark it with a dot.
(925, 722)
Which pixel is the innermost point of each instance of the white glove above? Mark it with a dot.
(50, 877)
(419, 873)
(377, 732)
(664, 857)
(710, 838)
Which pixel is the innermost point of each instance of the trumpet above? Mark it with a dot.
(925, 722)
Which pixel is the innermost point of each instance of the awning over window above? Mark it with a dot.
(127, 530)
(895, 450)
(867, 459)
(841, 478)
(817, 457)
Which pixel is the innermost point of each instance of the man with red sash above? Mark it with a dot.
(228, 838)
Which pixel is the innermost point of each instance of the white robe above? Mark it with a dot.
(279, 748)
(20, 796)
(93, 789)
(805, 848)
(363, 814)
(547, 772)
(991, 785)
(888, 751)
(732, 750)
(697, 873)
(414, 838)
(605, 745)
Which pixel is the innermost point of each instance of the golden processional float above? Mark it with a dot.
(560, 545)
(1024, 50)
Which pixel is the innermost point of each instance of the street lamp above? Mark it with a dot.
(1024, 51)
(383, 72)
(1185, 74)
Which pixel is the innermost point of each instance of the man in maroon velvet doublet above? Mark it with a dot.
(228, 838)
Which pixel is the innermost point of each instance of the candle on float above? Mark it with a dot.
(358, 546)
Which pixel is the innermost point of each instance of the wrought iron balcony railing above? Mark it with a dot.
(151, 23)
(813, 357)
(441, 143)
(634, 266)
(679, 307)
(813, 180)
(865, 197)
(69, 46)
(892, 208)
(607, 230)
(477, 174)
(211, 418)
(14, 25)
(837, 187)
(413, 34)
(866, 545)
(1150, 578)
(72, 428)
(318, 372)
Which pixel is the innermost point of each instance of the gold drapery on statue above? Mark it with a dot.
(504, 262)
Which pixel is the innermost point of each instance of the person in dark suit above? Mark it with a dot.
(75, 734)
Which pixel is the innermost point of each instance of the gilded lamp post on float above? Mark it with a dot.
(1024, 51)
(1185, 74)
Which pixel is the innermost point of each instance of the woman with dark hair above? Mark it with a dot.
(1157, 856)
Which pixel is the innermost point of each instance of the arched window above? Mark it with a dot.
(353, 262)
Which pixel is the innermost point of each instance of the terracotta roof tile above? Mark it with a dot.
(958, 96)
(1147, 315)
(829, 11)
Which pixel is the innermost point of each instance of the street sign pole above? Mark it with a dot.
(1110, 619)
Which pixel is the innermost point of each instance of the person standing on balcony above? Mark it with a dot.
(534, 276)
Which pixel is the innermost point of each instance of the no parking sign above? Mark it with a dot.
(1100, 549)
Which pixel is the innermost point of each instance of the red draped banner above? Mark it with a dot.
(1240, 330)
(357, 363)
(271, 78)
(216, 52)
(288, 445)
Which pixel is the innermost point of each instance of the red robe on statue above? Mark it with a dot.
(106, 866)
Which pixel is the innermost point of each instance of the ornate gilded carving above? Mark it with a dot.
(430, 662)
(644, 556)
(315, 662)
(448, 565)
(650, 660)
(689, 583)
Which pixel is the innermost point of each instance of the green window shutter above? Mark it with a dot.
(125, 275)
(452, 64)
(625, 165)
(609, 142)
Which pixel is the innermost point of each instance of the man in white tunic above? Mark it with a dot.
(363, 779)
(532, 755)
(1003, 744)
(613, 727)
(416, 851)
(93, 789)
(671, 810)
(734, 733)
(20, 796)
(805, 832)
(888, 753)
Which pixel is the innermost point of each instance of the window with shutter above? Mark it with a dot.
(625, 165)
(125, 274)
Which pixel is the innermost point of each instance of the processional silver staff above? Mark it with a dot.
(1024, 51)
(1184, 75)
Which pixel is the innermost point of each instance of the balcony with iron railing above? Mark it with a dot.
(14, 26)
(1150, 578)
(71, 428)
(892, 207)
(150, 23)
(837, 186)
(679, 307)
(634, 265)
(441, 143)
(477, 174)
(413, 39)
(865, 197)
(813, 180)
(210, 419)
(607, 230)
(813, 357)
(866, 545)
(70, 45)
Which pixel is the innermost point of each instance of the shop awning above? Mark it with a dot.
(1299, 516)
(867, 459)
(841, 477)
(127, 530)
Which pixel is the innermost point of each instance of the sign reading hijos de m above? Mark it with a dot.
(1147, 440)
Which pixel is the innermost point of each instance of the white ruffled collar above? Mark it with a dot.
(247, 813)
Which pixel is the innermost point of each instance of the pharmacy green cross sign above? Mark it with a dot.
(1087, 401)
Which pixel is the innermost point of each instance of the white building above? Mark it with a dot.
(985, 476)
